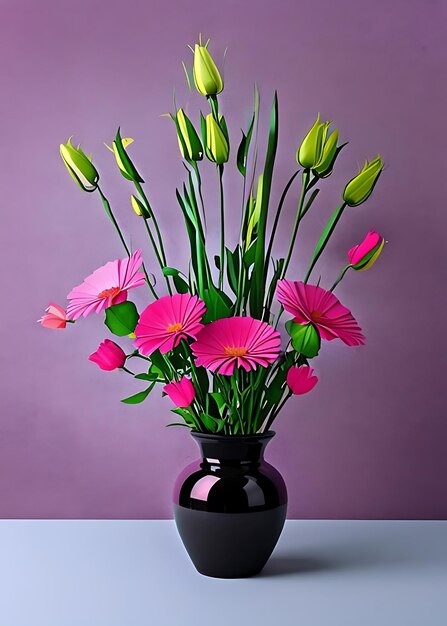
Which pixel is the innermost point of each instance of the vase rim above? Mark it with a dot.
(237, 438)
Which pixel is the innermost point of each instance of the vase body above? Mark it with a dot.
(230, 505)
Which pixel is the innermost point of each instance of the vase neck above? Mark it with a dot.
(235, 449)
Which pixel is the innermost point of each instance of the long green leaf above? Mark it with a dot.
(139, 397)
(260, 268)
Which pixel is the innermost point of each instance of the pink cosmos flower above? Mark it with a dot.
(109, 356)
(168, 320)
(106, 286)
(54, 317)
(309, 303)
(236, 342)
(301, 379)
(360, 252)
(182, 393)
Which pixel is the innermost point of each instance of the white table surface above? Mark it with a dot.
(132, 573)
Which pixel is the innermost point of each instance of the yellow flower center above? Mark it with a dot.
(109, 293)
(173, 328)
(232, 351)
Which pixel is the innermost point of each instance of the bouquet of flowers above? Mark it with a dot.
(210, 335)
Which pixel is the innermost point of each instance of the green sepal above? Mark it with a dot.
(305, 338)
(122, 319)
(129, 167)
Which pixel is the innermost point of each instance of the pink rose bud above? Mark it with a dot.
(301, 379)
(182, 393)
(365, 254)
(54, 317)
(109, 356)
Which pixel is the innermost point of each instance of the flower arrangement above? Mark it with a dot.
(211, 336)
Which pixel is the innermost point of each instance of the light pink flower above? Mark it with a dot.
(106, 286)
(54, 317)
(236, 342)
(301, 379)
(360, 255)
(182, 393)
(109, 356)
(168, 320)
(309, 303)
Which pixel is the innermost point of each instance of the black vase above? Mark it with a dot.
(230, 506)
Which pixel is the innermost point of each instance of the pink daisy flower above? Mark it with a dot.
(54, 317)
(168, 320)
(106, 286)
(236, 342)
(309, 303)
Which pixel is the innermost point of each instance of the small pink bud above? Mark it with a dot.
(54, 317)
(365, 254)
(182, 393)
(109, 356)
(301, 379)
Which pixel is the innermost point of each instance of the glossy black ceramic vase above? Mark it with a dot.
(230, 505)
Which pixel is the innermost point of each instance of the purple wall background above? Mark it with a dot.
(371, 441)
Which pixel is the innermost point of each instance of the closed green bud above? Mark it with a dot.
(126, 167)
(217, 148)
(79, 166)
(207, 78)
(310, 152)
(360, 188)
(188, 139)
(139, 207)
(328, 156)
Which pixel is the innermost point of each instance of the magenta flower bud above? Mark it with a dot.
(301, 379)
(109, 356)
(365, 254)
(182, 393)
(54, 317)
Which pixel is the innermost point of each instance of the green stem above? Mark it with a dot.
(214, 107)
(222, 227)
(126, 370)
(199, 189)
(110, 214)
(278, 213)
(108, 210)
(327, 233)
(340, 276)
(159, 250)
(275, 413)
(304, 187)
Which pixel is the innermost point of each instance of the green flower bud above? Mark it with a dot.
(217, 148)
(360, 188)
(127, 168)
(139, 207)
(207, 79)
(79, 166)
(328, 156)
(310, 152)
(188, 139)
